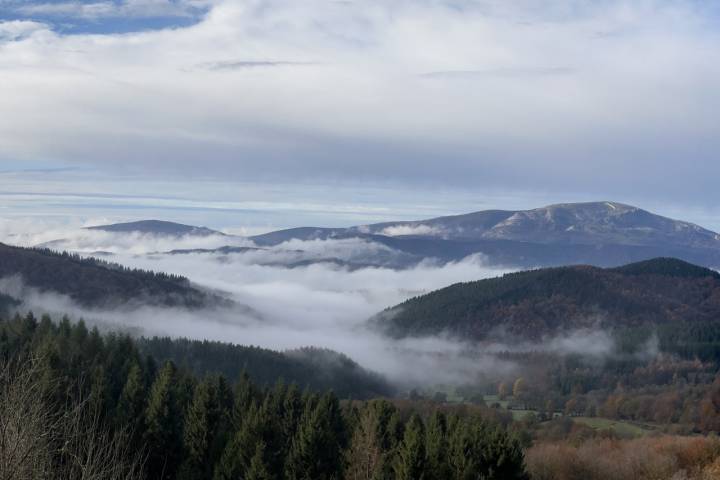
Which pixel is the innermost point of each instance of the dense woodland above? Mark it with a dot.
(163, 422)
(537, 304)
(79, 404)
(319, 369)
(94, 283)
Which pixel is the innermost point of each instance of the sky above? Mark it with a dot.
(250, 115)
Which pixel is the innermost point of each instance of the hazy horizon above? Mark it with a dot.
(259, 115)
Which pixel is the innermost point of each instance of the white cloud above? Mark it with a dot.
(19, 29)
(412, 229)
(342, 92)
(321, 305)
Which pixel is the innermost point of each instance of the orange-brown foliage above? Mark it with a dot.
(656, 458)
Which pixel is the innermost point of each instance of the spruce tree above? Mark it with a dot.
(410, 463)
(316, 452)
(258, 469)
(462, 458)
(258, 425)
(436, 446)
(503, 457)
(198, 431)
(130, 412)
(162, 418)
(245, 396)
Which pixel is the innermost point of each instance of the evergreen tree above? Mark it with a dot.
(479, 450)
(463, 461)
(258, 469)
(162, 418)
(316, 452)
(502, 454)
(410, 463)
(259, 425)
(99, 397)
(130, 412)
(199, 428)
(437, 449)
(245, 396)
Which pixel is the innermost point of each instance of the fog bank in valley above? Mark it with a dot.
(316, 304)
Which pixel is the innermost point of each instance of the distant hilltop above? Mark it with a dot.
(157, 227)
(604, 234)
(536, 304)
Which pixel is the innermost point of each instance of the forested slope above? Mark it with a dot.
(539, 303)
(318, 369)
(139, 414)
(94, 283)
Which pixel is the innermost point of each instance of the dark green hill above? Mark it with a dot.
(318, 369)
(537, 303)
(94, 283)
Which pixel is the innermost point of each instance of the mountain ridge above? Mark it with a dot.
(598, 233)
(94, 283)
(534, 304)
(156, 227)
(595, 222)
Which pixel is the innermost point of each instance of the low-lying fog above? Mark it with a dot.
(320, 304)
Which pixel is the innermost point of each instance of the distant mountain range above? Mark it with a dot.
(597, 233)
(536, 304)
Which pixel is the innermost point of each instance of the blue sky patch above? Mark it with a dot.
(105, 16)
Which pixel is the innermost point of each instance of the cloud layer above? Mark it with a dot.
(561, 94)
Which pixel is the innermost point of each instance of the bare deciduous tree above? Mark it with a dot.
(41, 439)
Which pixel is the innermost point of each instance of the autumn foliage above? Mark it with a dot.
(650, 458)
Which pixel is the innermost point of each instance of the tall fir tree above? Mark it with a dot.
(436, 446)
(410, 463)
(316, 452)
(199, 430)
(163, 425)
(130, 412)
(258, 469)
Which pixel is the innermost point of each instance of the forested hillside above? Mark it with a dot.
(94, 283)
(316, 368)
(537, 304)
(77, 405)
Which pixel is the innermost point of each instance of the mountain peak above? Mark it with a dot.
(157, 227)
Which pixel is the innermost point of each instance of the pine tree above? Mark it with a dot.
(258, 469)
(245, 396)
(480, 450)
(316, 452)
(130, 413)
(292, 411)
(259, 425)
(162, 418)
(462, 460)
(502, 455)
(198, 431)
(437, 449)
(410, 462)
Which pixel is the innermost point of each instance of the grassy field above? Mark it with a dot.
(625, 429)
(491, 399)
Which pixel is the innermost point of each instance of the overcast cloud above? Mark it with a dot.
(615, 99)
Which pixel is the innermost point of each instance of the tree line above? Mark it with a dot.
(162, 421)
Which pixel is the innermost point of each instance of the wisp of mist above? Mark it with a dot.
(318, 304)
